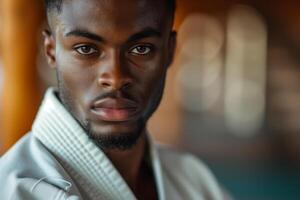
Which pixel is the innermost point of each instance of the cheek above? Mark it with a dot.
(77, 79)
(150, 77)
(151, 85)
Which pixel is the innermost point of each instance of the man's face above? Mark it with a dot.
(111, 59)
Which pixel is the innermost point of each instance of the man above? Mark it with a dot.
(89, 139)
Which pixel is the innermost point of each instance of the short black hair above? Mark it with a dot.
(55, 5)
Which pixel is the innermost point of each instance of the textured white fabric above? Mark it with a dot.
(57, 160)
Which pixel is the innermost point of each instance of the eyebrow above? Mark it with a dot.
(145, 33)
(86, 34)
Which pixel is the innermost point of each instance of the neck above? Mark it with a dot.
(128, 162)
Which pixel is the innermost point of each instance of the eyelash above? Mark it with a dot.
(78, 49)
(149, 46)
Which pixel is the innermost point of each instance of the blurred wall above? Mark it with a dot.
(20, 95)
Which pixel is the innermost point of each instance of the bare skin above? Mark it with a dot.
(111, 59)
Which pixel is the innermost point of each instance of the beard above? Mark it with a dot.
(105, 140)
(123, 141)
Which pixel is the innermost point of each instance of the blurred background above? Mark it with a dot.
(232, 95)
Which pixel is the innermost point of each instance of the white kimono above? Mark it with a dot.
(58, 161)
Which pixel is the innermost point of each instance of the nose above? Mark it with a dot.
(114, 74)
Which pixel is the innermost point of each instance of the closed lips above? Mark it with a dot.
(114, 109)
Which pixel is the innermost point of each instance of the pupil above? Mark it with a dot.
(85, 49)
(141, 49)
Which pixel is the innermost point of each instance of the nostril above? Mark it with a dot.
(105, 84)
(115, 84)
(126, 85)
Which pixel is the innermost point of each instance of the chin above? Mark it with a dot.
(121, 136)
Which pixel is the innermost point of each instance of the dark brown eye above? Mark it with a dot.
(85, 50)
(141, 50)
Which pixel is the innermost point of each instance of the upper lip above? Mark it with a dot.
(115, 103)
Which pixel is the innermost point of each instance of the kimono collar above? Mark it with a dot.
(90, 168)
(96, 176)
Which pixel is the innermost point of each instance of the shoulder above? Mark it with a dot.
(29, 171)
(186, 170)
(27, 155)
(24, 151)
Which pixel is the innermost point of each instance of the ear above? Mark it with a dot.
(172, 47)
(49, 48)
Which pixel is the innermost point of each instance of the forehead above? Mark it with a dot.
(113, 15)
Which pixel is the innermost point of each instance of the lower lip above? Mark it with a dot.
(114, 115)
